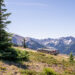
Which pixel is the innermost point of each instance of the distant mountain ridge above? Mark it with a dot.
(30, 42)
(65, 45)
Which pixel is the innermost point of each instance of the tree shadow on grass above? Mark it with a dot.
(18, 64)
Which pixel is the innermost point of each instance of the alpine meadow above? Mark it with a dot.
(39, 39)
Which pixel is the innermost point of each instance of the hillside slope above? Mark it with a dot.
(36, 63)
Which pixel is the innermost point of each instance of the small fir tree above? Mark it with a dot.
(24, 43)
(71, 58)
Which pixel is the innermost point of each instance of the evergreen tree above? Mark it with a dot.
(24, 43)
(71, 58)
(6, 52)
(4, 36)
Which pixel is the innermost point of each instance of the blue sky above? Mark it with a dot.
(42, 18)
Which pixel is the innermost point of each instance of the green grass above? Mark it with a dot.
(49, 59)
(42, 64)
(41, 57)
(46, 71)
(30, 72)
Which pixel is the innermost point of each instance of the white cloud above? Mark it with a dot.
(28, 4)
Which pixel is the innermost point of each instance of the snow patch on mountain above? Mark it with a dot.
(67, 42)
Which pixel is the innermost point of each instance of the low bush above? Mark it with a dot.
(49, 71)
(22, 55)
(13, 54)
(8, 54)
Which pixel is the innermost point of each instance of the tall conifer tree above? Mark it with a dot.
(6, 51)
(4, 35)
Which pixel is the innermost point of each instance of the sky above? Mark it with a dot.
(42, 18)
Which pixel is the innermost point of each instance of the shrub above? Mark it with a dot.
(13, 54)
(22, 55)
(49, 71)
(8, 54)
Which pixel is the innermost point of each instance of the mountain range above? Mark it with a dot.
(65, 45)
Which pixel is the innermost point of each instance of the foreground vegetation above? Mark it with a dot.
(37, 64)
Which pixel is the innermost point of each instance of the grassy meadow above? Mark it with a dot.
(38, 64)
